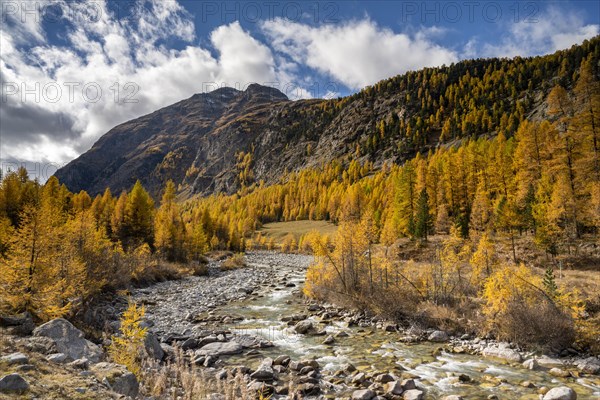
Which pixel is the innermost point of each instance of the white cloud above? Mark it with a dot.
(105, 51)
(358, 53)
(553, 30)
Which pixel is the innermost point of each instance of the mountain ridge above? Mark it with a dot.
(220, 141)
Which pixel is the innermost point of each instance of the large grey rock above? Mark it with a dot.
(590, 365)
(504, 352)
(15, 359)
(117, 378)
(220, 349)
(303, 327)
(152, 347)
(438, 336)
(13, 383)
(364, 394)
(69, 340)
(561, 393)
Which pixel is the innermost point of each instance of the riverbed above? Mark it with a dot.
(259, 300)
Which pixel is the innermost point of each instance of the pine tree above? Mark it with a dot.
(549, 282)
(423, 220)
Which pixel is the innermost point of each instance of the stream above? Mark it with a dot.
(259, 313)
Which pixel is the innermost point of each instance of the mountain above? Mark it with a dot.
(218, 141)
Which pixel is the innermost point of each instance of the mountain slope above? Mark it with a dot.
(196, 142)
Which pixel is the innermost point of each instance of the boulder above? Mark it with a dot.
(561, 373)
(531, 364)
(393, 388)
(69, 340)
(21, 324)
(282, 360)
(329, 340)
(220, 349)
(561, 393)
(413, 394)
(13, 383)
(263, 374)
(548, 362)
(364, 394)
(152, 347)
(384, 378)
(590, 365)
(303, 327)
(117, 378)
(15, 359)
(503, 352)
(438, 336)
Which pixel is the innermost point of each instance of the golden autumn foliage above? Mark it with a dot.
(127, 347)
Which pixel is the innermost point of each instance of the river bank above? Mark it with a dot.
(254, 323)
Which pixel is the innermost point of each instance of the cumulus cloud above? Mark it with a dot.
(57, 99)
(553, 30)
(357, 53)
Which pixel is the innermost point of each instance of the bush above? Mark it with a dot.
(234, 262)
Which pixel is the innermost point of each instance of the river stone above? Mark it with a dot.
(13, 383)
(263, 374)
(303, 327)
(531, 364)
(413, 394)
(503, 352)
(561, 393)
(548, 362)
(561, 373)
(282, 360)
(393, 388)
(329, 340)
(69, 340)
(117, 378)
(364, 394)
(453, 397)
(384, 378)
(15, 359)
(590, 365)
(409, 384)
(438, 336)
(220, 349)
(358, 378)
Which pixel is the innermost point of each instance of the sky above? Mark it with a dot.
(70, 70)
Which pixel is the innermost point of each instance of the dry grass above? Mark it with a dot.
(50, 381)
(235, 262)
(178, 379)
(279, 230)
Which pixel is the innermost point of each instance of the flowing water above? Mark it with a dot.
(373, 350)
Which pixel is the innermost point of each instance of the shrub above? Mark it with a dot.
(234, 262)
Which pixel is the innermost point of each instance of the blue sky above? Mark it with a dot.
(71, 70)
